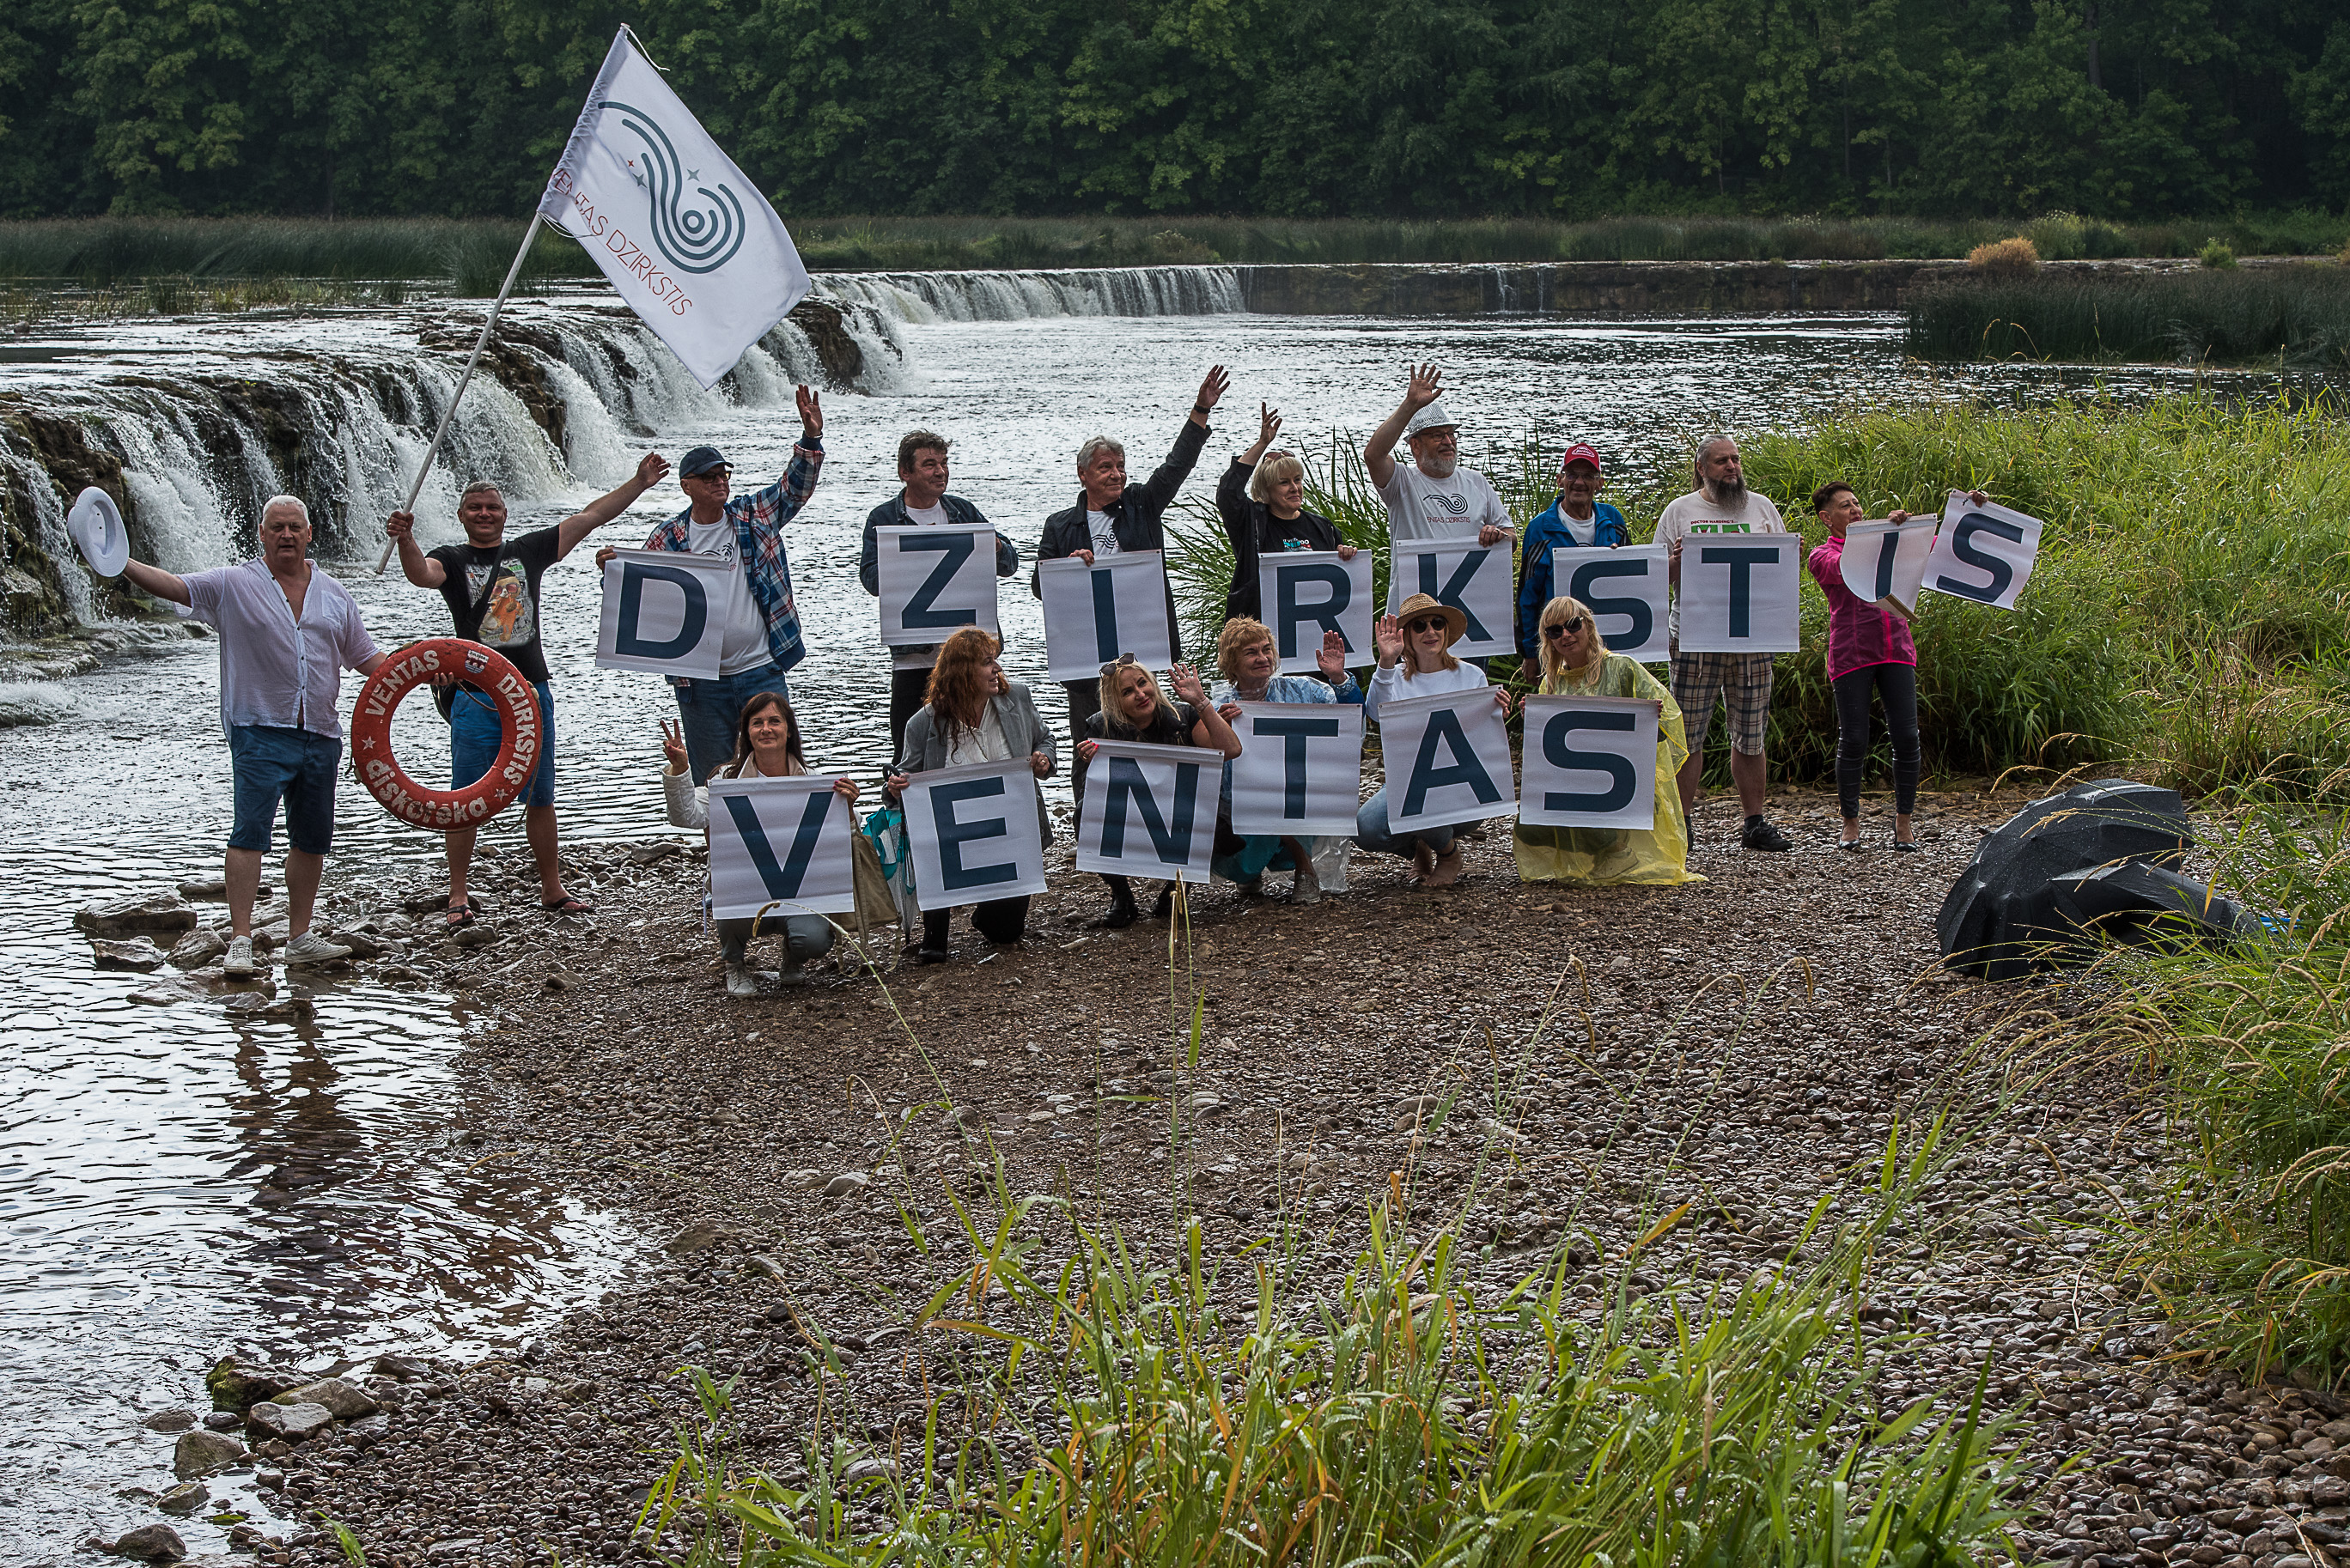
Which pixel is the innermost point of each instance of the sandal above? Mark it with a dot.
(460, 914)
(567, 905)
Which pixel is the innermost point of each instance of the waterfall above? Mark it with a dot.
(930, 297)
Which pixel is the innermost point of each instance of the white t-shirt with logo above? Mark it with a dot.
(1100, 524)
(1693, 514)
(745, 643)
(923, 517)
(1419, 507)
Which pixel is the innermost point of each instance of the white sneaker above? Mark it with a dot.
(1307, 887)
(312, 948)
(740, 980)
(237, 962)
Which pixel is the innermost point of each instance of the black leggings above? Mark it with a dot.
(1898, 683)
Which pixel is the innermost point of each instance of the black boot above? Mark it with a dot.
(1166, 904)
(1122, 912)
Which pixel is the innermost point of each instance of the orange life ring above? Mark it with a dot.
(520, 738)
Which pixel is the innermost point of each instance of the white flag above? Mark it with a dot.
(785, 842)
(1093, 614)
(683, 234)
(1983, 553)
(1887, 560)
(665, 612)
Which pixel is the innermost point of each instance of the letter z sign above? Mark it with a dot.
(934, 581)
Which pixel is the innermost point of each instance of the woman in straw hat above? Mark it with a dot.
(1415, 649)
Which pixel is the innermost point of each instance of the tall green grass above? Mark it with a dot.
(2189, 618)
(2248, 1053)
(2288, 316)
(103, 253)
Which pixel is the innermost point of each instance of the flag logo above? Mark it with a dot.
(691, 236)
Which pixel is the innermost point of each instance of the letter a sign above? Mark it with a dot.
(934, 581)
(1448, 759)
(1149, 811)
(665, 612)
(779, 841)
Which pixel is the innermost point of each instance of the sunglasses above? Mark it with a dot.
(1427, 623)
(1559, 629)
(1120, 662)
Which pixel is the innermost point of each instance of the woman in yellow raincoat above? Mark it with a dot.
(1576, 664)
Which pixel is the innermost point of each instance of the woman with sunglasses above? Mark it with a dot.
(1576, 664)
(1133, 708)
(1416, 659)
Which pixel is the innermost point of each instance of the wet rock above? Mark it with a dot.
(213, 887)
(136, 954)
(343, 1401)
(399, 974)
(202, 1453)
(234, 1384)
(865, 1470)
(271, 937)
(253, 1004)
(559, 980)
(198, 948)
(169, 1421)
(152, 1544)
(296, 1423)
(223, 1420)
(475, 936)
(647, 854)
(698, 1237)
(400, 1366)
(186, 1498)
(846, 1182)
(146, 912)
(363, 944)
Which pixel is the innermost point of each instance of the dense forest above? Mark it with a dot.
(1549, 108)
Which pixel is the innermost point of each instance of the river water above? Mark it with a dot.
(176, 1185)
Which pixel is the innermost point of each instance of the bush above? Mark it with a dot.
(2216, 253)
(2015, 257)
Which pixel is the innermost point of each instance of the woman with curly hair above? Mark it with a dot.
(975, 714)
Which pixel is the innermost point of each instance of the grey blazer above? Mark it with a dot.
(1025, 731)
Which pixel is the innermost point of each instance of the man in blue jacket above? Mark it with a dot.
(1575, 520)
(923, 503)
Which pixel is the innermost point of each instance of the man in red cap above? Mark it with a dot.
(1575, 520)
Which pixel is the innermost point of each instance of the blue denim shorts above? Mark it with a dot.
(475, 735)
(295, 766)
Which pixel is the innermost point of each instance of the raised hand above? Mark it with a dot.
(651, 469)
(673, 745)
(1387, 636)
(1426, 384)
(1268, 424)
(1331, 660)
(1212, 387)
(811, 415)
(1186, 681)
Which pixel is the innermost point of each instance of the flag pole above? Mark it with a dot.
(448, 413)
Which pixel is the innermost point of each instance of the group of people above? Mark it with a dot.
(952, 703)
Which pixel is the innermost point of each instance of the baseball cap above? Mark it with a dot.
(1582, 451)
(1430, 418)
(701, 460)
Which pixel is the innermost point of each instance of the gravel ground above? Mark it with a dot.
(765, 1147)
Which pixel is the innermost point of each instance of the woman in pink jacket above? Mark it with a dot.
(1869, 652)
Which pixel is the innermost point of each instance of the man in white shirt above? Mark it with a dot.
(287, 631)
(1741, 682)
(1433, 497)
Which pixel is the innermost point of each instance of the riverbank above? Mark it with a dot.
(806, 1165)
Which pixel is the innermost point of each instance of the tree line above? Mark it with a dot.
(1292, 107)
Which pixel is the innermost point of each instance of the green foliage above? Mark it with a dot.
(2296, 314)
(101, 252)
(1301, 109)
(2216, 253)
(2249, 1250)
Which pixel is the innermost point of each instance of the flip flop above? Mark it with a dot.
(567, 905)
(460, 915)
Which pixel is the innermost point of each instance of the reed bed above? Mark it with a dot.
(2188, 619)
(2291, 316)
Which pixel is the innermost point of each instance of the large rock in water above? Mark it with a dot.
(201, 1453)
(295, 1423)
(235, 1384)
(147, 912)
(344, 1401)
(152, 1544)
(138, 955)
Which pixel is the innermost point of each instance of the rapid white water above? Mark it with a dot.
(932, 297)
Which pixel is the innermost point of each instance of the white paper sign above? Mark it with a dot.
(1887, 560)
(1983, 553)
(934, 582)
(1628, 589)
(1739, 592)
(1472, 578)
(1300, 771)
(1149, 811)
(780, 841)
(1093, 614)
(1308, 592)
(974, 833)
(685, 236)
(1448, 759)
(1590, 762)
(664, 611)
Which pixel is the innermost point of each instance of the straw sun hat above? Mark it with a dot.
(1456, 624)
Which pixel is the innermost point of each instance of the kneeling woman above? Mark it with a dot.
(1415, 647)
(1576, 664)
(975, 714)
(766, 746)
(1134, 709)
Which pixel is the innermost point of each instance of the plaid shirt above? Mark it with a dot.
(759, 517)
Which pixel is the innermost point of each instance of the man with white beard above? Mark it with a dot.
(1435, 497)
